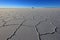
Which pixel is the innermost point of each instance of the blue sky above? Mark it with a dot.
(29, 3)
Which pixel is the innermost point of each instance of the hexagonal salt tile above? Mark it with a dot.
(46, 27)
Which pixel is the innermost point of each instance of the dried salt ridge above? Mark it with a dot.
(16, 30)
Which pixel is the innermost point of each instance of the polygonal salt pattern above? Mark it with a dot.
(46, 27)
(14, 21)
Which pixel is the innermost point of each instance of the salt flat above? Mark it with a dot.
(29, 24)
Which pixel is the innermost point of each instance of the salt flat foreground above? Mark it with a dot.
(30, 24)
